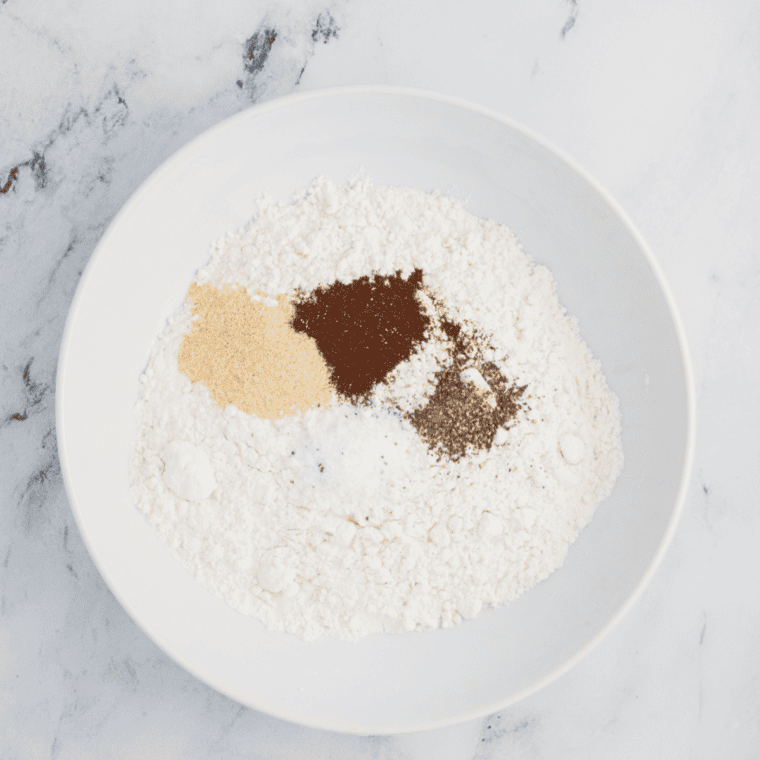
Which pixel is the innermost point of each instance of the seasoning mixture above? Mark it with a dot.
(371, 414)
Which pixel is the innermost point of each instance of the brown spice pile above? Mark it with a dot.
(364, 328)
(247, 354)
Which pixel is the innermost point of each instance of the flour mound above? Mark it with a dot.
(340, 519)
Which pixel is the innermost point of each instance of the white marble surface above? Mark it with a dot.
(659, 100)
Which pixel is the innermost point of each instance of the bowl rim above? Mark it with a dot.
(353, 90)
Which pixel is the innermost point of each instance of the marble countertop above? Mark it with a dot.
(659, 100)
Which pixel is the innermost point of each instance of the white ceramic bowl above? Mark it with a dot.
(606, 276)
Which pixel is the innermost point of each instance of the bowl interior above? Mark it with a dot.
(606, 278)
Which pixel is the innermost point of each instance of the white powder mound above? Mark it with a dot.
(340, 520)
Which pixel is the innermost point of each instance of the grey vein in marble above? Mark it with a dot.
(283, 50)
(570, 23)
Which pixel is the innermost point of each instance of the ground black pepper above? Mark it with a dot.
(457, 416)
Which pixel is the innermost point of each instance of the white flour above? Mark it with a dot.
(339, 520)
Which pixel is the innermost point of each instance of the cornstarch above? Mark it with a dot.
(371, 415)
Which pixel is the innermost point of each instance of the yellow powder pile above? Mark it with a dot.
(247, 354)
